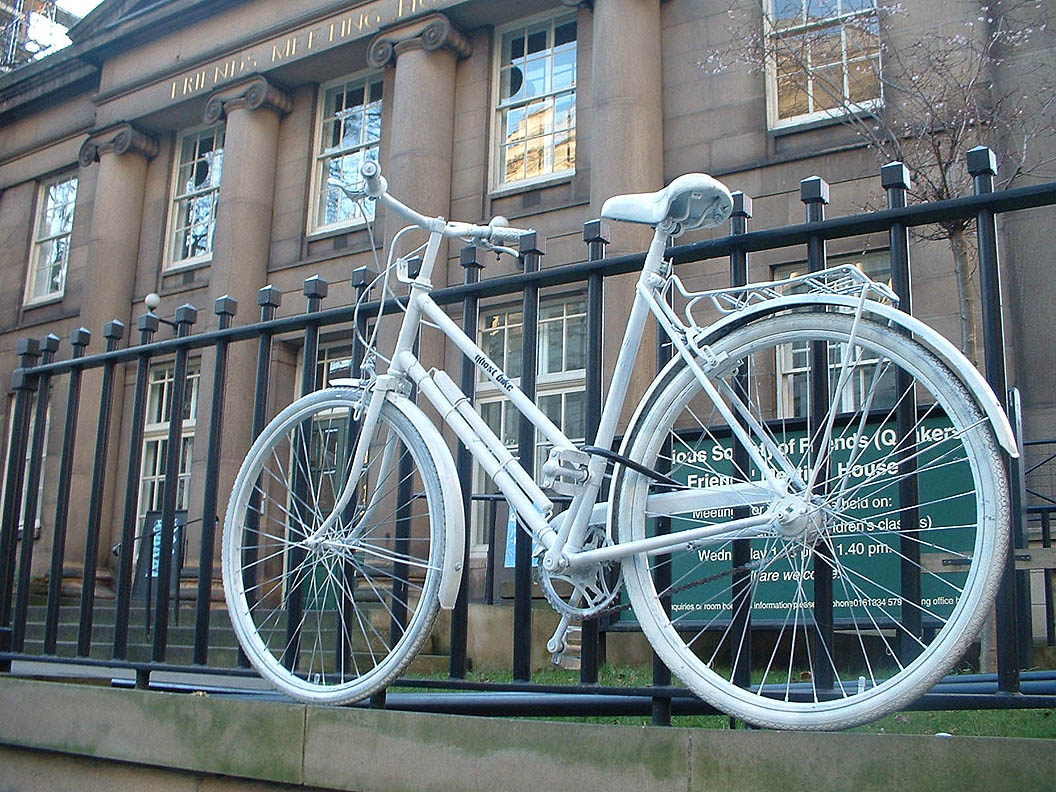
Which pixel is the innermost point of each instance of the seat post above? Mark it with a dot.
(654, 257)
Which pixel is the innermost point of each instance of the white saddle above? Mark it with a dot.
(693, 200)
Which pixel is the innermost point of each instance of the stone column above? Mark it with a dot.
(253, 111)
(242, 240)
(122, 153)
(627, 146)
(418, 161)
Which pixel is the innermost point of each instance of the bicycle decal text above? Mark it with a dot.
(494, 372)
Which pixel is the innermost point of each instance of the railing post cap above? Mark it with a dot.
(895, 176)
(225, 306)
(532, 243)
(27, 346)
(269, 295)
(148, 322)
(81, 336)
(114, 329)
(361, 276)
(982, 160)
(467, 257)
(185, 314)
(742, 204)
(597, 230)
(49, 343)
(814, 189)
(20, 380)
(316, 286)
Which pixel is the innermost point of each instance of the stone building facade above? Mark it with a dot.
(195, 149)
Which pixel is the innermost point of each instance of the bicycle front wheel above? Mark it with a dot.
(333, 617)
(885, 559)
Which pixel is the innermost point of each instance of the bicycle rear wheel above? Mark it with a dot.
(912, 576)
(333, 618)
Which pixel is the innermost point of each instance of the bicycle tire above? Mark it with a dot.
(689, 638)
(335, 620)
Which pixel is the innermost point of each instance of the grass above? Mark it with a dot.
(981, 723)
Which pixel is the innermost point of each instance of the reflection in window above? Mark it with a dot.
(825, 56)
(193, 214)
(51, 240)
(349, 132)
(537, 101)
(793, 360)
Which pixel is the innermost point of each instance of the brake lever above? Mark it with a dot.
(497, 249)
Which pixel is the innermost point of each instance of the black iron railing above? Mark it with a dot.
(40, 376)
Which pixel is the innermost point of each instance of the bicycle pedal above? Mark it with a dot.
(565, 471)
(569, 657)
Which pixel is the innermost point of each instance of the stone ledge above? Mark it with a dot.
(374, 750)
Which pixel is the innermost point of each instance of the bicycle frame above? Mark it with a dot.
(562, 536)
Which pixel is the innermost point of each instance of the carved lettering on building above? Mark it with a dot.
(322, 35)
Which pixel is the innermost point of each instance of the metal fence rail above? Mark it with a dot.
(40, 376)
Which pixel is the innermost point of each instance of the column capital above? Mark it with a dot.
(430, 33)
(118, 138)
(253, 94)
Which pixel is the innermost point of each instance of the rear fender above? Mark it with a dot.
(934, 341)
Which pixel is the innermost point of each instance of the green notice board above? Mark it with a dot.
(867, 546)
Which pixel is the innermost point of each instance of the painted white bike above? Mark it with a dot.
(345, 531)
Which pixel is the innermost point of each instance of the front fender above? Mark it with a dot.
(454, 518)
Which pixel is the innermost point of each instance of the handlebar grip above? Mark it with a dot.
(506, 235)
(373, 180)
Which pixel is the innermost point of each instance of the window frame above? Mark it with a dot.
(30, 299)
(319, 155)
(775, 123)
(497, 186)
(169, 264)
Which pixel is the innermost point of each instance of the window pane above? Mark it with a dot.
(535, 73)
(564, 69)
(863, 80)
(551, 407)
(551, 347)
(787, 12)
(513, 46)
(565, 33)
(792, 99)
(576, 345)
(537, 40)
(513, 363)
(491, 412)
(565, 112)
(827, 87)
(575, 415)
(511, 424)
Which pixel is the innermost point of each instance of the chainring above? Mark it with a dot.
(593, 588)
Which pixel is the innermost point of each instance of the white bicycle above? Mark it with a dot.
(750, 486)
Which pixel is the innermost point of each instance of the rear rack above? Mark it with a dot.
(844, 280)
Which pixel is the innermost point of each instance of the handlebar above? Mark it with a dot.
(496, 234)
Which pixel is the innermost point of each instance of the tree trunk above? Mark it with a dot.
(964, 271)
